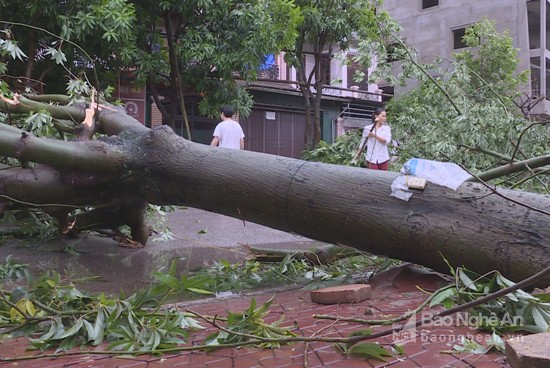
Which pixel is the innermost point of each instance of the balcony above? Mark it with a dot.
(270, 71)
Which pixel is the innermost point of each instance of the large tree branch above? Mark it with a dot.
(503, 158)
(43, 186)
(111, 120)
(51, 98)
(514, 167)
(90, 155)
(24, 105)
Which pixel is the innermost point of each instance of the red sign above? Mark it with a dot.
(132, 95)
(135, 109)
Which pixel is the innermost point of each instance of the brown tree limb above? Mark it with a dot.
(51, 98)
(23, 104)
(514, 167)
(291, 195)
(501, 157)
(94, 155)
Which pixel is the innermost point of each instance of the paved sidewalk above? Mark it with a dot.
(427, 347)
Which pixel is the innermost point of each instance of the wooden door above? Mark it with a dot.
(275, 132)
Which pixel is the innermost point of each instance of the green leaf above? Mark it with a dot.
(442, 296)
(540, 320)
(495, 341)
(96, 332)
(470, 346)
(398, 350)
(467, 281)
(189, 322)
(55, 325)
(121, 345)
(173, 267)
(545, 298)
(73, 330)
(212, 339)
(200, 291)
(167, 280)
(92, 333)
(370, 350)
(68, 343)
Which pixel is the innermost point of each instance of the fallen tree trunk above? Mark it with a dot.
(472, 226)
(133, 165)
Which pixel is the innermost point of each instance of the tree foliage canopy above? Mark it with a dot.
(201, 45)
(330, 27)
(81, 35)
(491, 62)
(468, 111)
(205, 44)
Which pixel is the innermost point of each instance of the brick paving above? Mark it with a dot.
(428, 347)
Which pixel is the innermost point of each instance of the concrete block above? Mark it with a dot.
(530, 351)
(341, 294)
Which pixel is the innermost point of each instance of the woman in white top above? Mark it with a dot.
(377, 137)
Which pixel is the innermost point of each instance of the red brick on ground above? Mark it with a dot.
(530, 351)
(341, 294)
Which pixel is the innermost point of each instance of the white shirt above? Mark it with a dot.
(230, 133)
(376, 152)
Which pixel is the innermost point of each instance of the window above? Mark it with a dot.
(325, 68)
(309, 63)
(429, 3)
(458, 35)
(354, 70)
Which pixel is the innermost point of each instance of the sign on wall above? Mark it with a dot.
(132, 95)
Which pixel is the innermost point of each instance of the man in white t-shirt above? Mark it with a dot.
(228, 132)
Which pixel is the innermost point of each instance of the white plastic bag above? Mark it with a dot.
(400, 189)
(442, 173)
(447, 174)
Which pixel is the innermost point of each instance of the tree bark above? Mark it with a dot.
(473, 226)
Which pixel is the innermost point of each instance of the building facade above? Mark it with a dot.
(435, 28)
(276, 124)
